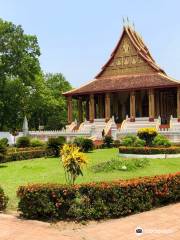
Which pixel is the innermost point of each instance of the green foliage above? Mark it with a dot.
(85, 144)
(23, 142)
(147, 134)
(116, 143)
(4, 141)
(34, 94)
(3, 200)
(120, 165)
(98, 200)
(56, 114)
(132, 141)
(19, 55)
(36, 142)
(73, 161)
(108, 141)
(54, 144)
(27, 153)
(149, 150)
(3, 150)
(161, 141)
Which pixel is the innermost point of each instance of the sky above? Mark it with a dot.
(76, 37)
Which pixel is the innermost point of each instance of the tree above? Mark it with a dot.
(19, 61)
(24, 89)
(57, 113)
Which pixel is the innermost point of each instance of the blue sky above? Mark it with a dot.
(76, 37)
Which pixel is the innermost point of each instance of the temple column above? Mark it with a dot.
(87, 109)
(100, 106)
(139, 104)
(151, 105)
(178, 104)
(91, 108)
(80, 110)
(107, 107)
(157, 110)
(132, 106)
(69, 105)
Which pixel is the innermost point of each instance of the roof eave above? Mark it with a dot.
(122, 90)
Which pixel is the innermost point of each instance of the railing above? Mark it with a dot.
(108, 126)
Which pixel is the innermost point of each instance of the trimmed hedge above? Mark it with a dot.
(14, 149)
(3, 200)
(24, 154)
(149, 150)
(98, 200)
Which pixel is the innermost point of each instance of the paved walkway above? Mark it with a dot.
(162, 224)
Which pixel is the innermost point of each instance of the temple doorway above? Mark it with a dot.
(142, 103)
(120, 106)
(167, 103)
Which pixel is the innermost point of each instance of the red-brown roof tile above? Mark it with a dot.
(125, 82)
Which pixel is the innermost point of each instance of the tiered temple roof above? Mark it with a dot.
(129, 67)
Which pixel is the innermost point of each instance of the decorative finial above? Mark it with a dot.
(127, 20)
(123, 21)
(133, 26)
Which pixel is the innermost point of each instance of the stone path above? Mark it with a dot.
(12, 228)
(162, 224)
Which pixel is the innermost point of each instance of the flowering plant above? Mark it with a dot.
(147, 134)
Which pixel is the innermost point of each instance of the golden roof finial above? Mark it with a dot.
(133, 26)
(127, 21)
(123, 21)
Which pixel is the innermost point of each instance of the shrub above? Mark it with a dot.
(88, 145)
(27, 154)
(120, 164)
(108, 141)
(85, 144)
(23, 142)
(73, 161)
(149, 150)
(147, 134)
(35, 142)
(3, 150)
(3, 200)
(4, 141)
(98, 200)
(132, 141)
(54, 144)
(116, 143)
(161, 141)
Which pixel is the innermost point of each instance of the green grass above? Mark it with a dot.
(50, 170)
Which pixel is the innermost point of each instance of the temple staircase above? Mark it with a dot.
(174, 124)
(141, 122)
(71, 126)
(95, 127)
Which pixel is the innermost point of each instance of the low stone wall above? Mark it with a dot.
(152, 156)
(10, 137)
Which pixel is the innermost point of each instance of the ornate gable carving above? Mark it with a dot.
(126, 61)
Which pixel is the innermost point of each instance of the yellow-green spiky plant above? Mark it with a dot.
(73, 161)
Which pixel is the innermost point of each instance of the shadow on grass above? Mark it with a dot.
(3, 166)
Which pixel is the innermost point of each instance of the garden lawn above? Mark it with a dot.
(50, 170)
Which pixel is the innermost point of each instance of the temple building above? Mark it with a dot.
(130, 86)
